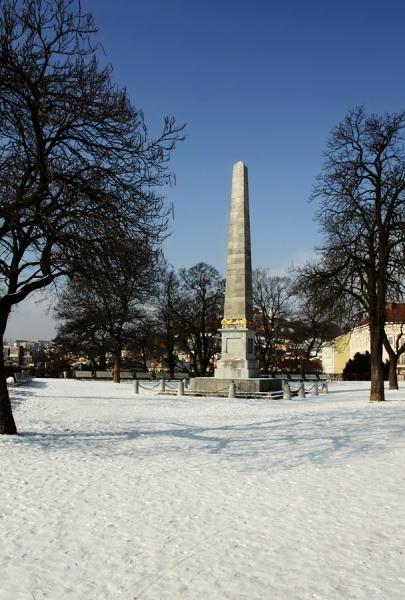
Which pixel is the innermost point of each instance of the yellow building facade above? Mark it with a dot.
(335, 354)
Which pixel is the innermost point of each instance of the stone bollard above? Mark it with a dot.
(180, 388)
(286, 391)
(136, 386)
(232, 390)
(316, 391)
(185, 383)
(162, 386)
(301, 391)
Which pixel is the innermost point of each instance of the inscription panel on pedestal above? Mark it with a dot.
(233, 346)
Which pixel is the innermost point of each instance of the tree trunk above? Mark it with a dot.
(260, 355)
(171, 365)
(199, 357)
(265, 363)
(102, 361)
(304, 365)
(377, 368)
(144, 358)
(117, 366)
(392, 372)
(195, 365)
(7, 423)
(171, 357)
(392, 365)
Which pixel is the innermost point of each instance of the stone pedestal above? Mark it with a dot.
(238, 355)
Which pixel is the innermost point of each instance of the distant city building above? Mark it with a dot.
(23, 353)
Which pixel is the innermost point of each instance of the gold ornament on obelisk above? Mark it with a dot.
(234, 323)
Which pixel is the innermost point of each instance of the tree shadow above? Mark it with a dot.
(281, 443)
(20, 393)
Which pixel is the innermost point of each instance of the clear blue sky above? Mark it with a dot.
(262, 82)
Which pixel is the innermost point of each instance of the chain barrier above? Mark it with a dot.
(223, 390)
(286, 391)
(149, 387)
(171, 384)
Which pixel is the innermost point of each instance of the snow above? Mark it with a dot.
(107, 495)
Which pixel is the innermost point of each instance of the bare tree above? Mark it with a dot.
(198, 311)
(80, 334)
(361, 192)
(75, 155)
(143, 343)
(272, 307)
(167, 304)
(106, 297)
(318, 317)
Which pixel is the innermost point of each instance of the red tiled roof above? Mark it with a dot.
(396, 312)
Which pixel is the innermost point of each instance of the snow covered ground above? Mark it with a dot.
(107, 495)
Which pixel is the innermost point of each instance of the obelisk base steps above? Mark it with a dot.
(216, 386)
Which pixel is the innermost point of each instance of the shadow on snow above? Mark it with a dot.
(280, 443)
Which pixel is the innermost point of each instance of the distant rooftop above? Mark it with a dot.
(396, 312)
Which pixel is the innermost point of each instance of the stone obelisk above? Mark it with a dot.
(237, 333)
(237, 367)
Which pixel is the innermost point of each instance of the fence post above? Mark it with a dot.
(180, 388)
(301, 391)
(232, 391)
(136, 386)
(162, 386)
(286, 391)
